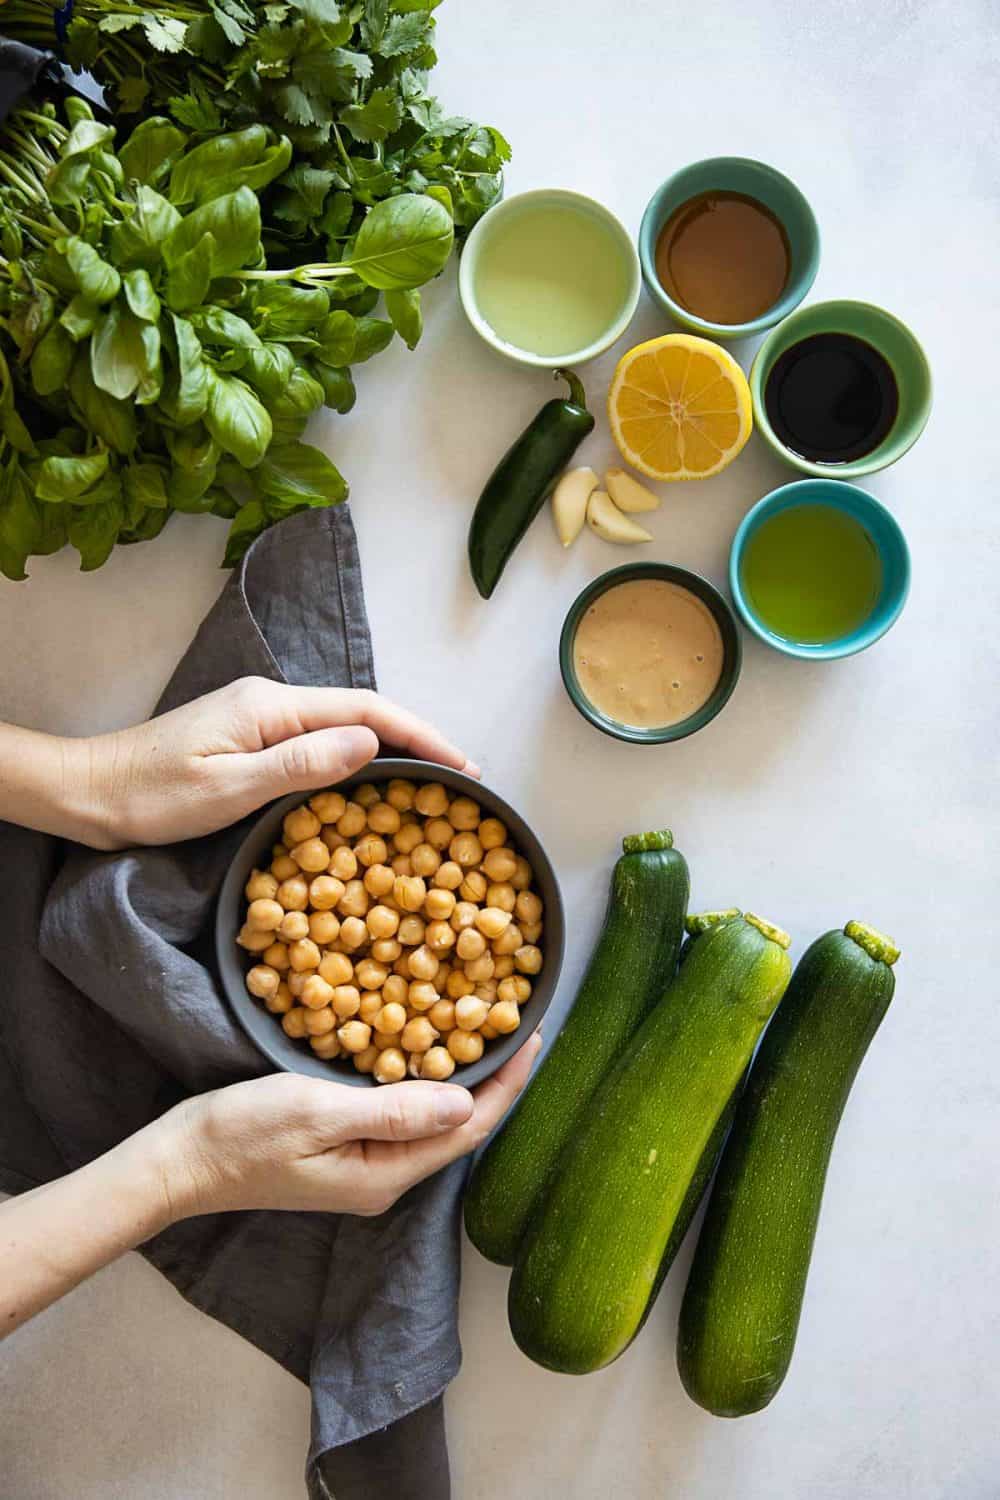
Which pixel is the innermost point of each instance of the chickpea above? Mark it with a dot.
(440, 936)
(390, 1066)
(501, 894)
(464, 814)
(516, 988)
(370, 850)
(332, 839)
(254, 942)
(431, 799)
(503, 966)
(371, 1007)
(487, 990)
(385, 951)
(424, 860)
(354, 1036)
(409, 891)
(353, 933)
(523, 874)
(458, 984)
(384, 818)
(293, 926)
(394, 991)
(528, 959)
(293, 1022)
(466, 850)
(336, 968)
(448, 877)
(328, 806)
(261, 886)
(355, 901)
(492, 921)
(473, 887)
(470, 1012)
(480, 969)
(304, 955)
(505, 1016)
(438, 1064)
(400, 795)
(442, 1015)
(401, 866)
(296, 982)
(263, 981)
(465, 1046)
(471, 943)
(391, 1018)
(402, 966)
(327, 1047)
(293, 894)
(312, 856)
(300, 824)
(439, 905)
(407, 838)
(418, 1035)
(488, 1033)
(531, 931)
(277, 957)
(508, 942)
(320, 1022)
(324, 892)
(365, 1061)
(382, 922)
(371, 975)
(528, 907)
(492, 833)
(500, 864)
(343, 863)
(283, 867)
(378, 880)
(423, 963)
(421, 995)
(366, 795)
(463, 916)
(281, 1001)
(438, 832)
(324, 928)
(383, 1039)
(316, 993)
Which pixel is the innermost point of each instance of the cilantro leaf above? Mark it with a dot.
(375, 120)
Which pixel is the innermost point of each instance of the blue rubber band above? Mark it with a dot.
(61, 19)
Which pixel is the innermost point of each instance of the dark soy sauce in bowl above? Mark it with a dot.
(831, 398)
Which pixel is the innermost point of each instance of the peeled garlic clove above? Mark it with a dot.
(569, 503)
(627, 493)
(604, 517)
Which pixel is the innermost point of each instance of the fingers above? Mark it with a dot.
(300, 764)
(404, 1112)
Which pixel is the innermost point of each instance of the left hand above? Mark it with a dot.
(213, 761)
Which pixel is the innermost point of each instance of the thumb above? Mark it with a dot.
(306, 761)
(407, 1111)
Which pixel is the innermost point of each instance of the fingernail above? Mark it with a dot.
(452, 1105)
(471, 769)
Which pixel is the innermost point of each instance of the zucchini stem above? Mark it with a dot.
(776, 934)
(701, 921)
(875, 943)
(642, 843)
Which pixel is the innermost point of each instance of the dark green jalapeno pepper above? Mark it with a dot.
(518, 486)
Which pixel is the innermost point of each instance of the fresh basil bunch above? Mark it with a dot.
(150, 359)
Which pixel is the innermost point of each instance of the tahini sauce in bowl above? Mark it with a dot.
(648, 653)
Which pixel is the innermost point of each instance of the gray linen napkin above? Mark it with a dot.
(112, 1013)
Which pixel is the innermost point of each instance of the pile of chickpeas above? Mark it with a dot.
(397, 930)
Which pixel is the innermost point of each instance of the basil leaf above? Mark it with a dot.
(79, 318)
(191, 395)
(403, 308)
(93, 531)
(244, 158)
(192, 448)
(190, 489)
(97, 280)
(269, 369)
(234, 223)
(300, 474)
(280, 309)
(236, 419)
(150, 149)
(139, 239)
(403, 242)
(371, 336)
(69, 478)
(19, 524)
(145, 529)
(250, 520)
(214, 325)
(52, 361)
(140, 296)
(145, 486)
(85, 136)
(301, 396)
(338, 387)
(119, 355)
(189, 277)
(110, 420)
(336, 338)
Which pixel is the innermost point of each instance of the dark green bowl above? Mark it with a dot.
(731, 661)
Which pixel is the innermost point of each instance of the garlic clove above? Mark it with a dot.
(569, 503)
(627, 493)
(604, 517)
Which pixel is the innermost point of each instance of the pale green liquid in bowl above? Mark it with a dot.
(811, 574)
(551, 279)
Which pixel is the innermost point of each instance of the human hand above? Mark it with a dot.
(213, 761)
(291, 1142)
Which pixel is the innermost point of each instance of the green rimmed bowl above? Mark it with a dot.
(894, 342)
(731, 644)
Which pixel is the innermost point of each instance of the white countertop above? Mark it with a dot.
(824, 792)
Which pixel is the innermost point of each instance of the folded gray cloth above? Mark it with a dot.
(112, 1013)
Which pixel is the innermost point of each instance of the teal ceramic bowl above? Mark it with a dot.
(734, 174)
(889, 542)
(894, 342)
(539, 265)
(731, 644)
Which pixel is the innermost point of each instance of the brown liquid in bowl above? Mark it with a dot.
(723, 257)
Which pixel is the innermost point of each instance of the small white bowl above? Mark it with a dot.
(488, 226)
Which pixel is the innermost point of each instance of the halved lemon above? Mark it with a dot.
(679, 407)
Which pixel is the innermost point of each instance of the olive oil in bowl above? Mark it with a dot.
(811, 574)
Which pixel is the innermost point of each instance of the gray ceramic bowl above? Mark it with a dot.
(265, 1030)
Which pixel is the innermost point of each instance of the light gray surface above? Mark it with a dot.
(823, 792)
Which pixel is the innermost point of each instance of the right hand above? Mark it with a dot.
(290, 1142)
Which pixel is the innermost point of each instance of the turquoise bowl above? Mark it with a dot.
(734, 174)
(889, 542)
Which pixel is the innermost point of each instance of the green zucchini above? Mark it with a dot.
(602, 1237)
(631, 966)
(741, 1307)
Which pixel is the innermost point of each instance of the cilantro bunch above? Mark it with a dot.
(151, 360)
